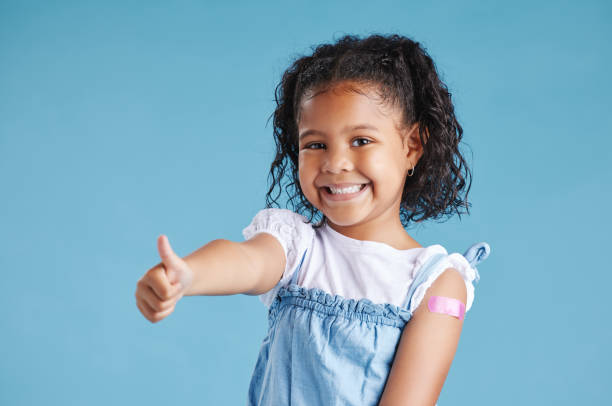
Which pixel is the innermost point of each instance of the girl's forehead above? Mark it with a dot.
(346, 102)
(367, 89)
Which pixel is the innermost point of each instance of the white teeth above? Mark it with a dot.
(351, 189)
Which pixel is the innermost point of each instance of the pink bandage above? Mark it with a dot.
(446, 305)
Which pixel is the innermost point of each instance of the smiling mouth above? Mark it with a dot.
(329, 195)
(329, 190)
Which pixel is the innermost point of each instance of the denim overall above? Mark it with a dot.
(329, 350)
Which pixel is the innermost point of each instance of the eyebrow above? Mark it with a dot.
(344, 130)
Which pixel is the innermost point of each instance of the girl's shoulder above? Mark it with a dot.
(283, 222)
(294, 233)
(464, 263)
(291, 229)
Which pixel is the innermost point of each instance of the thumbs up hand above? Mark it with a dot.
(177, 270)
(162, 286)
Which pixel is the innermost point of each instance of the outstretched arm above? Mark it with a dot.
(224, 267)
(426, 349)
(221, 267)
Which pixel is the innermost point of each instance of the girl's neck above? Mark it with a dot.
(390, 233)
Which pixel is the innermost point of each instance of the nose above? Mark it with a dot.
(337, 160)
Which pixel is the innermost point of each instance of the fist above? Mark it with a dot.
(162, 286)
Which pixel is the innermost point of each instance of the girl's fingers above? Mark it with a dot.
(166, 253)
(153, 301)
(162, 315)
(151, 314)
(160, 285)
(144, 309)
(174, 266)
(146, 291)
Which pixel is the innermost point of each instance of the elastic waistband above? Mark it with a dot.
(322, 302)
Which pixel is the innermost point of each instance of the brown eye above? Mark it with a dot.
(362, 139)
(309, 146)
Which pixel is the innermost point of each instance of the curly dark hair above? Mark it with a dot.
(404, 75)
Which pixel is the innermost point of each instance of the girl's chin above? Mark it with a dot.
(343, 218)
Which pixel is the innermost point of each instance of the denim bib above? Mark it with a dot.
(323, 349)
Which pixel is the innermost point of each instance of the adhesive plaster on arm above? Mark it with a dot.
(446, 305)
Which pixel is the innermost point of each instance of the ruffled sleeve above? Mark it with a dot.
(294, 234)
(456, 261)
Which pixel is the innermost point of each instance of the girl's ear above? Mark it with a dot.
(413, 146)
(412, 140)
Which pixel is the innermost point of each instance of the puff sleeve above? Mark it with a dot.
(294, 234)
(454, 260)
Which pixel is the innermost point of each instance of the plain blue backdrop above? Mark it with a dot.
(124, 120)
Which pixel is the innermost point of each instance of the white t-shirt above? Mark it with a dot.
(354, 269)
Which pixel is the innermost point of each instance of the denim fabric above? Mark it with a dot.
(324, 349)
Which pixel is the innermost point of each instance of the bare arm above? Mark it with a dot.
(224, 267)
(221, 267)
(426, 349)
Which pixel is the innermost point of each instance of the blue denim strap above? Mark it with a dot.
(476, 254)
(426, 269)
(294, 278)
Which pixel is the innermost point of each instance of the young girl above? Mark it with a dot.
(359, 312)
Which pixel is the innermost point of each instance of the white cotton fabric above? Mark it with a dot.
(354, 269)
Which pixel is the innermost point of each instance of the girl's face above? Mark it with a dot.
(352, 161)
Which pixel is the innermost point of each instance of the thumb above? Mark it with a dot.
(172, 262)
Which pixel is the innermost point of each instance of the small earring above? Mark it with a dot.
(411, 173)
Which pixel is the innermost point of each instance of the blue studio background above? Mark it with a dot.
(121, 121)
